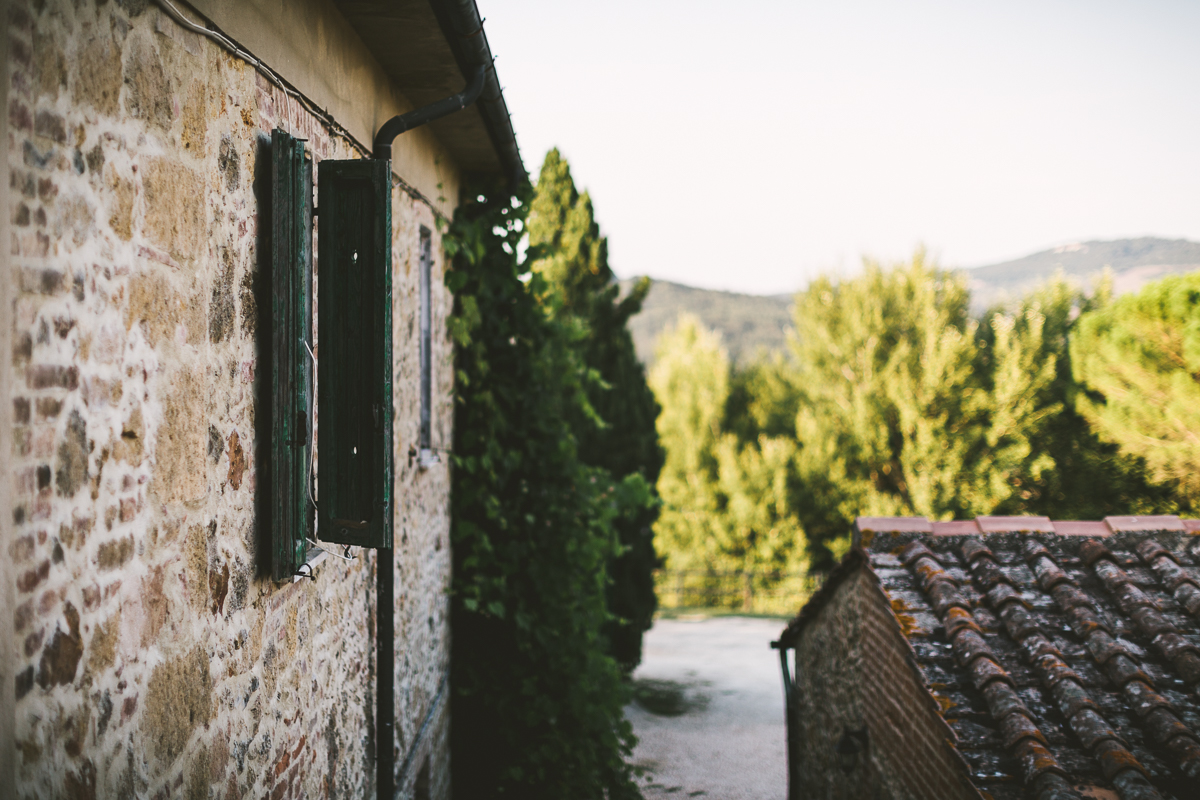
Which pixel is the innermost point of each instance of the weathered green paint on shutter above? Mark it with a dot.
(291, 366)
(354, 377)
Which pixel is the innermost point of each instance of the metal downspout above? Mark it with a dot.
(789, 699)
(381, 148)
(385, 674)
(385, 567)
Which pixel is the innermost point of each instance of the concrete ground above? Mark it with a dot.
(730, 742)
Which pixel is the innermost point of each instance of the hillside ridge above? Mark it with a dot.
(751, 324)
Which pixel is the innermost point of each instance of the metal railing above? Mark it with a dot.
(748, 591)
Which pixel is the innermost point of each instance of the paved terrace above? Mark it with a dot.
(729, 742)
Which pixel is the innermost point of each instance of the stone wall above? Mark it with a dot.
(853, 671)
(153, 659)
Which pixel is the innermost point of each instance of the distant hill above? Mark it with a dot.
(1134, 262)
(750, 323)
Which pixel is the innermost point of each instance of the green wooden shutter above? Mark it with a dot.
(354, 375)
(291, 365)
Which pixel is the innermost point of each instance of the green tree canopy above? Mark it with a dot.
(906, 408)
(894, 401)
(1138, 362)
(690, 378)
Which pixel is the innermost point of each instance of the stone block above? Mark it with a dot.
(72, 463)
(129, 447)
(179, 469)
(179, 698)
(120, 218)
(115, 554)
(61, 655)
(175, 197)
(41, 281)
(48, 408)
(46, 376)
(19, 116)
(98, 78)
(50, 125)
(148, 91)
(155, 305)
(194, 135)
(50, 66)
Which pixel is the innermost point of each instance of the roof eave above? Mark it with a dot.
(427, 48)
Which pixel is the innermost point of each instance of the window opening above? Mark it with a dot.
(427, 456)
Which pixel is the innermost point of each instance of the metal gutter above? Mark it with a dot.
(463, 28)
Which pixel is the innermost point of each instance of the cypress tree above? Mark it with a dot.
(568, 252)
(536, 702)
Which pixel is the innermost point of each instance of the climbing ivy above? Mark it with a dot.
(536, 704)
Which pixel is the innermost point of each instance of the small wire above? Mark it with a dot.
(309, 479)
(319, 113)
(232, 47)
(312, 434)
(330, 552)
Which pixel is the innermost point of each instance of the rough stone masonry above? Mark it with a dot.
(154, 659)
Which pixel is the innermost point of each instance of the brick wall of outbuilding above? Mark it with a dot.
(853, 670)
(152, 658)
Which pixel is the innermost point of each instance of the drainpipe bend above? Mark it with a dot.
(381, 148)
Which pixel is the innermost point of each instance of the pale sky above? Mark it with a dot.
(753, 145)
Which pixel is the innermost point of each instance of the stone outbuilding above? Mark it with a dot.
(225, 404)
(1000, 657)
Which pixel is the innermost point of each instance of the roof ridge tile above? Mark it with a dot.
(958, 619)
(914, 550)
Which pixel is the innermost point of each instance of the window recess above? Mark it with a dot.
(289, 337)
(427, 456)
(354, 386)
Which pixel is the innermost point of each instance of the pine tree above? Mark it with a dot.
(1137, 361)
(568, 252)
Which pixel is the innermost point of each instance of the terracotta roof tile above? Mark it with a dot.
(1076, 646)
